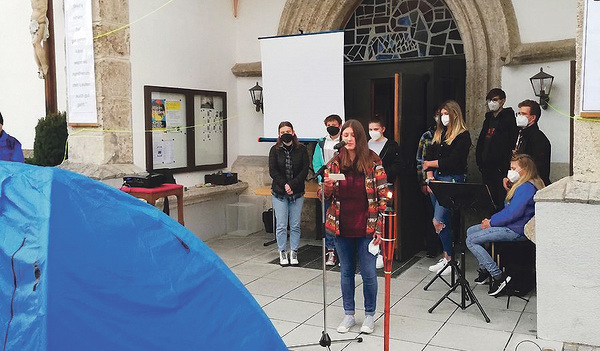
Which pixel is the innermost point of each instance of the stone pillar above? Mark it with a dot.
(106, 151)
(568, 239)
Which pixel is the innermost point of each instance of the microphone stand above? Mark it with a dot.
(325, 340)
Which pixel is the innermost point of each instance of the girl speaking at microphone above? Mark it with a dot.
(353, 218)
(508, 224)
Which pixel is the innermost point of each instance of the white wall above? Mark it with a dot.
(567, 282)
(546, 20)
(255, 19)
(186, 44)
(22, 96)
(555, 124)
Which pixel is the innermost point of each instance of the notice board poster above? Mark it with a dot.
(590, 77)
(81, 79)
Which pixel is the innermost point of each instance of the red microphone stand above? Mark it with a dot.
(389, 239)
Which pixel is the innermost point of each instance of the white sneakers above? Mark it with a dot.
(294, 258)
(368, 325)
(330, 258)
(283, 259)
(349, 321)
(441, 264)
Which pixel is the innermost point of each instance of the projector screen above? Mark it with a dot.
(303, 81)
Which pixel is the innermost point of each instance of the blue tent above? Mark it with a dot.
(84, 266)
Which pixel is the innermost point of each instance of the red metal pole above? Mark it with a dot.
(389, 238)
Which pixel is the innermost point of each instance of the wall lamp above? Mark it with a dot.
(542, 85)
(256, 94)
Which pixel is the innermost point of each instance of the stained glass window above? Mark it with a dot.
(396, 29)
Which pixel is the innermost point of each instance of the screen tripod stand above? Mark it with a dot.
(457, 197)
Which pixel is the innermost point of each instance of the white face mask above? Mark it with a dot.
(521, 120)
(445, 119)
(493, 105)
(436, 118)
(513, 175)
(375, 135)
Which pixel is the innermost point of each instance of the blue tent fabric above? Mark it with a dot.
(84, 266)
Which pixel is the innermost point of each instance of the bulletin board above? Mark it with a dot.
(186, 129)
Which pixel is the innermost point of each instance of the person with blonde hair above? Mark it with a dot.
(508, 224)
(354, 218)
(446, 160)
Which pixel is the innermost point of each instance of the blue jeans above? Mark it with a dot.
(329, 238)
(442, 214)
(286, 209)
(476, 237)
(348, 249)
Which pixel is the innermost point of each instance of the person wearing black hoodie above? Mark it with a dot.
(495, 144)
(387, 149)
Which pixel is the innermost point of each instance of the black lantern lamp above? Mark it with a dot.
(542, 85)
(256, 93)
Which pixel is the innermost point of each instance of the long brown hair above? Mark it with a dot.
(456, 125)
(363, 161)
(295, 141)
(530, 174)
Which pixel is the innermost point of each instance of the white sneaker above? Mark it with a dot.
(368, 325)
(439, 265)
(448, 270)
(283, 259)
(379, 262)
(294, 258)
(347, 323)
(330, 258)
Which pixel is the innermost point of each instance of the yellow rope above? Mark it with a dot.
(171, 129)
(129, 24)
(577, 118)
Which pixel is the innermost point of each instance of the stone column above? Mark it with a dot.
(106, 151)
(568, 238)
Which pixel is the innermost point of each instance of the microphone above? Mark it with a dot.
(340, 145)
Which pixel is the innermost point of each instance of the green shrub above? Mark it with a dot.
(50, 140)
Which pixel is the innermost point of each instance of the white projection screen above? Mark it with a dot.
(303, 81)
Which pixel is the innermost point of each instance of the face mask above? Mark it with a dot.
(436, 119)
(375, 135)
(287, 138)
(493, 105)
(445, 120)
(513, 176)
(521, 120)
(332, 130)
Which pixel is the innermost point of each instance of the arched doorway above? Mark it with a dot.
(433, 70)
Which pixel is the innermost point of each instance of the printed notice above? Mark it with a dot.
(81, 79)
(163, 151)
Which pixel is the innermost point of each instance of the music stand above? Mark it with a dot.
(459, 197)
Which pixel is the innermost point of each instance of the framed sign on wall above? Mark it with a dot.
(186, 129)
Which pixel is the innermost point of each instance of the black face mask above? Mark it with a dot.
(286, 138)
(333, 130)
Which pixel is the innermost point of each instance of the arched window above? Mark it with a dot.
(396, 29)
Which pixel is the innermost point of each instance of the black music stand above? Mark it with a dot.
(459, 197)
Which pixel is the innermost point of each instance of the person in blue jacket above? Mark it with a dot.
(10, 147)
(508, 224)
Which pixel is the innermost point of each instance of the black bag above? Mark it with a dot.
(267, 218)
(167, 174)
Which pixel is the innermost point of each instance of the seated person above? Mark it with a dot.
(508, 224)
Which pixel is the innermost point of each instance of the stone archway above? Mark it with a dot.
(485, 38)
